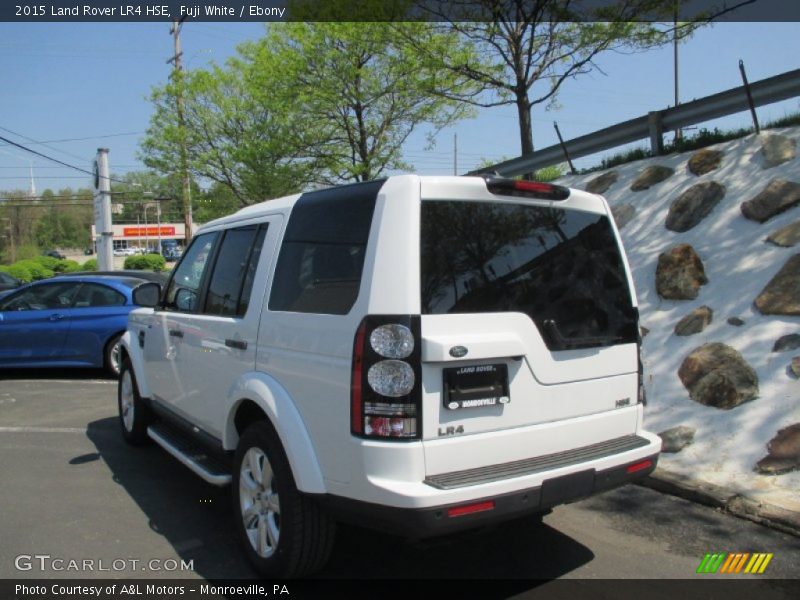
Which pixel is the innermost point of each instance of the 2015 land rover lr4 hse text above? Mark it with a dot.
(416, 354)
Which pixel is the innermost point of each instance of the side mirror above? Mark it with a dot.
(147, 294)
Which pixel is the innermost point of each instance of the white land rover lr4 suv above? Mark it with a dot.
(416, 354)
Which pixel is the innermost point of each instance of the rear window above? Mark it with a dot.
(322, 256)
(563, 268)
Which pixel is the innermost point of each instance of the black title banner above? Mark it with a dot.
(393, 10)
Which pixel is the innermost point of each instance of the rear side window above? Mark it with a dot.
(563, 268)
(93, 294)
(322, 256)
(232, 279)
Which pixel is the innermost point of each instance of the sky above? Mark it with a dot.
(89, 83)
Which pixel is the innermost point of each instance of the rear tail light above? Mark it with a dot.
(386, 390)
(526, 189)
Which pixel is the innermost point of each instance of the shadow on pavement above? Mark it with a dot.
(196, 519)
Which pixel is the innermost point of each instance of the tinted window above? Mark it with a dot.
(94, 294)
(42, 297)
(184, 287)
(232, 271)
(250, 273)
(322, 257)
(562, 268)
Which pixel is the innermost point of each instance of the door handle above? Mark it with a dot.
(176, 333)
(238, 344)
(141, 339)
(56, 317)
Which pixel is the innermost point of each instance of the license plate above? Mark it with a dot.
(475, 386)
(567, 488)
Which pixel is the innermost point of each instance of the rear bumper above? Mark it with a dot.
(438, 520)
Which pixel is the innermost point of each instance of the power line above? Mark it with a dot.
(39, 167)
(43, 177)
(31, 140)
(94, 137)
(55, 160)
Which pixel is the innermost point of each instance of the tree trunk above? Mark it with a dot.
(525, 126)
(525, 129)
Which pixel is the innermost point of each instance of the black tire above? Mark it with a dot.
(134, 428)
(305, 533)
(112, 359)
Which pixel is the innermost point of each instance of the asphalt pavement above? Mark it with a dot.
(72, 490)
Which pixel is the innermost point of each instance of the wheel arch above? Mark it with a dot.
(256, 396)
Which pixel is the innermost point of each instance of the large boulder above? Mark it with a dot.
(623, 213)
(704, 161)
(786, 236)
(779, 195)
(600, 185)
(781, 296)
(695, 322)
(676, 439)
(680, 273)
(777, 149)
(693, 205)
(784, 452)
(787, 342)
(650, 176)
(717, 375)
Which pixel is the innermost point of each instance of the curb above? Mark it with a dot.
(708, 494)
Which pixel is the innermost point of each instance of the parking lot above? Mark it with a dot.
(73, 490)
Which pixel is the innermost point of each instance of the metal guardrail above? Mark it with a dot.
(652, 126)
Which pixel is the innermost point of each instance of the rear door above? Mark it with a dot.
(527, 314)
(98, 312)
(219, 341)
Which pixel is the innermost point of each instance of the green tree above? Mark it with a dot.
(361, 90)
(530, 48)
(238, 134)
(213, 203)
(308, 104)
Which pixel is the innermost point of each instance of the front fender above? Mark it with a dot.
(275, 401)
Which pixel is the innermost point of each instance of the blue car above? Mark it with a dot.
(67, 321)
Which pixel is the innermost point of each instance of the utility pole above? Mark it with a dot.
(175, 32)
(102, 212)
(32, 190)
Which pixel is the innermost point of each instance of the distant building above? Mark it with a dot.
(144, 236)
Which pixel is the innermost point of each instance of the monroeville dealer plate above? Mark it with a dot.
(473, 386)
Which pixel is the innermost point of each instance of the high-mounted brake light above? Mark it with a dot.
(527, 189)
(385, 390)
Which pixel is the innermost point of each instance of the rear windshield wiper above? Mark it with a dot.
(559, 342)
